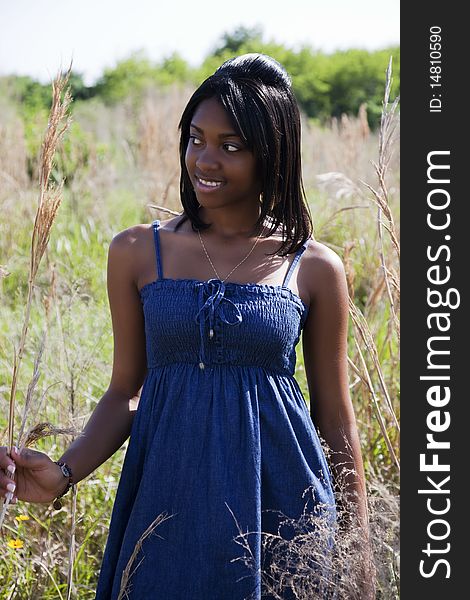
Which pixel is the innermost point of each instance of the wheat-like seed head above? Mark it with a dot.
(50, 197)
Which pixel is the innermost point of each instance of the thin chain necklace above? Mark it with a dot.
(236, 267)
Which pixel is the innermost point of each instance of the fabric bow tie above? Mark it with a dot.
(214, 306)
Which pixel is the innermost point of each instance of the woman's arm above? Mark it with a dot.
(111, 421)
(325, 354)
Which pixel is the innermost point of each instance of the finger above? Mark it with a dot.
(6, 461)
(9, 496)
(9, 472)
(8, 488)
(6, 481)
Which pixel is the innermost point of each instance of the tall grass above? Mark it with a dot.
(50, 197)
(129, 162)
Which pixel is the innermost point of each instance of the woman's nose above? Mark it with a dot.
(207, 159)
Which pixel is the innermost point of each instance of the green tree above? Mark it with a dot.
(173, 69)
(129, 77)
(132, 76)
(359, 76)
(239, 38)
(79, 90)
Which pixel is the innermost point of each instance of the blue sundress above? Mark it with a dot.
(221, 441)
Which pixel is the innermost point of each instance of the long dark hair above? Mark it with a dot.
(256, 92)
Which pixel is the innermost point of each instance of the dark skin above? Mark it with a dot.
(232, 209)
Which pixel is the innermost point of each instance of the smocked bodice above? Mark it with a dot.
(215, 323)
(212, 322)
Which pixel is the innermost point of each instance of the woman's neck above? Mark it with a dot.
(230, 223)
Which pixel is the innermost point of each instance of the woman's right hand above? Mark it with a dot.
(37, 477)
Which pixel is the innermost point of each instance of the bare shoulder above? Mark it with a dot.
(133, 250)
(131, 237)
(127, 243)
(323, 269)
(130, 248)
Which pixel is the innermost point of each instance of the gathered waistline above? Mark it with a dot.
(219, 366)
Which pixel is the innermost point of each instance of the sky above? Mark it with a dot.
(37, 37)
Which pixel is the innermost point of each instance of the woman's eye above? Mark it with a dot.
(195, 141)
(231, 148)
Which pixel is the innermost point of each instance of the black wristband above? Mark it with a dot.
(67, 472)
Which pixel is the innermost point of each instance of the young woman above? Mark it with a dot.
(207, 309)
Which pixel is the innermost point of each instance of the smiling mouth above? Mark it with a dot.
(212, 183)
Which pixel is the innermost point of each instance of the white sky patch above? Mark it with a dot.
(37, 36)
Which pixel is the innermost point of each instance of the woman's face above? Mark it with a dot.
(222, 170)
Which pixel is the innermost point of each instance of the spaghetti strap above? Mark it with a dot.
(293, 264)
(156, 237)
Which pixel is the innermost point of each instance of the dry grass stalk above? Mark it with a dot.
(345, 187)
(126, 575)
(320, 231)
(164, 209)
(390, 278)
(70, 361)
(49, 200)
(363, 328)
(348, 267)
(376, 293)
(31, 388)
(43, 565)
(50, 196)
(157, 148)
(383, 428)
(71, 553)
(387, 135)
(320, 557)
(385, 532)
(363, 122)
(52, 301)
(42, 430)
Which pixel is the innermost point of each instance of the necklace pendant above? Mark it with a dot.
(201, 365)
(211, 334)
